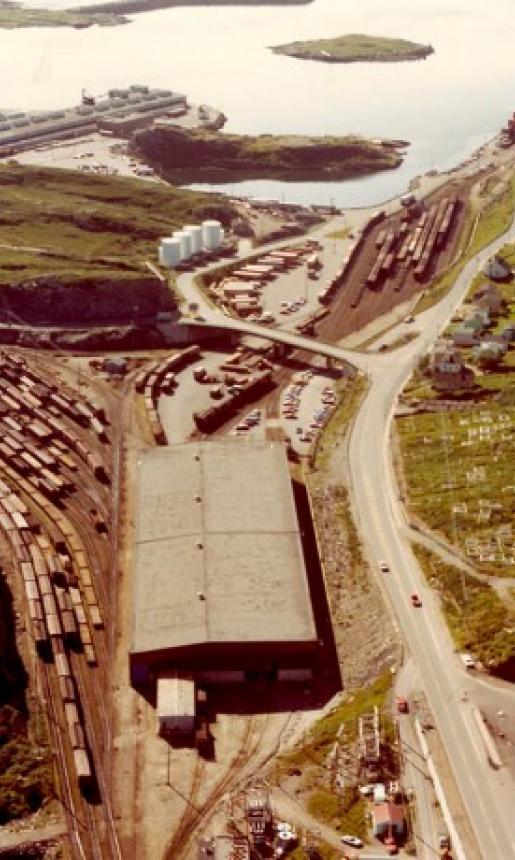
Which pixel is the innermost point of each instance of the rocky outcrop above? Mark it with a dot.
(184, 156)
(66, 300)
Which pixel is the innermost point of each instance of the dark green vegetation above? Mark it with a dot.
(355, 48)
(15, 16)
(187, 156)
(345, 811)
(25, 760)
(478, 619)
(75, 246)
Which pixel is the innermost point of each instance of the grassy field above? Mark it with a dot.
(63, 222)
(343, 810)
(493, 221)
(477, 618)
(458, 467)
(355, 48)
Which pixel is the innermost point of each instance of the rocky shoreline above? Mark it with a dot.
(184, 156)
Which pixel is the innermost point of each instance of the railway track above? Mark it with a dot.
(194, 813)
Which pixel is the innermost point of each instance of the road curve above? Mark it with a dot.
(487, 794)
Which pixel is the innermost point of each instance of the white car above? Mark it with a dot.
(352, 840)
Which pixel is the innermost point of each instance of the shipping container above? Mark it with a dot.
(54, 625)
(71, 713)
(82, 768)
(85, 634)
(62, 665)
(96, 618)
(76, 735)
(66, 688)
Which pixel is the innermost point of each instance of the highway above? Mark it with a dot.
(487, 794)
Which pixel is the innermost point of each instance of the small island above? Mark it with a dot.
(355, 48)
(185, 156)
(14, 16)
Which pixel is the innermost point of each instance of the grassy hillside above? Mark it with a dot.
(355, 48)
(477, 618)
(65, 222)
(73, 247)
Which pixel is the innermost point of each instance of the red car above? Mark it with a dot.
(415, 600)
(402, 706)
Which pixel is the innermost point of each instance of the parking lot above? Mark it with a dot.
(306, 405)
(288, 296)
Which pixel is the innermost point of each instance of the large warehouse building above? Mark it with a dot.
(220, 584)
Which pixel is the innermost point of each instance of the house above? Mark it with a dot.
(448, 372)
(488, 298)
(497, 269)
(388, 821)
(508, 333)
(489, 351)
(496, 341)
(462, 337)
(477, 320)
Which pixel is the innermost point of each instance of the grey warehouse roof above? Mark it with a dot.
(218, 557)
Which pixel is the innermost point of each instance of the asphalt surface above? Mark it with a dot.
(487, 794)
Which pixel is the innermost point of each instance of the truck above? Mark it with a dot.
(313, 264)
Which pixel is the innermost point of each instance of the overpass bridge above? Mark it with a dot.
(332, 353)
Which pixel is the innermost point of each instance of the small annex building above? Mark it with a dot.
(220, 588)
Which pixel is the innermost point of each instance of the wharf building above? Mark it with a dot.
(220, 587)
(120, 112)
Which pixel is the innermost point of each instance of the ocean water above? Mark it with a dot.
(445, 106)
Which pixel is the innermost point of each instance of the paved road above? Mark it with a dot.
(488, 795)
(416, 775)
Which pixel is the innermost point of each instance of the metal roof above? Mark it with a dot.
(218, 556)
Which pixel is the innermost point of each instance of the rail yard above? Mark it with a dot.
(68, 503)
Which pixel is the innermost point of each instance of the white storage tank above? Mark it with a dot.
(195, 232)
(211, 233)
(170, 252)
(185, 240)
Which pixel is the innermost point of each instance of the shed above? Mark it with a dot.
(175, 705)
(388, 820)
